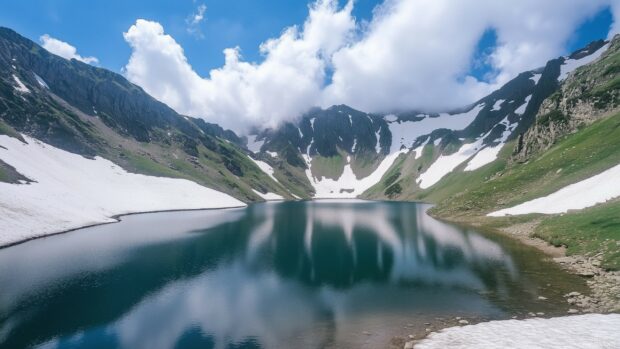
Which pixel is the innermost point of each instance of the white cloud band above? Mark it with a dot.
(413, 54)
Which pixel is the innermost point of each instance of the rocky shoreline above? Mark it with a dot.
(604, 286)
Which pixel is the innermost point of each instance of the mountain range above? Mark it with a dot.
(543, 131)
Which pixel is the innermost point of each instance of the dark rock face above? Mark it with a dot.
(121, 105)
(324, 132)
(589, 93)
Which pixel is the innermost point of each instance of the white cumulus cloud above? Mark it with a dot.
(64, 50)
(412, 54)
(239, 94)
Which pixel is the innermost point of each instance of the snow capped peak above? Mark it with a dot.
(570, 64)
(404, 133)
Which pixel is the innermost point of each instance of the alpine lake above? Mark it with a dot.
(305, 274)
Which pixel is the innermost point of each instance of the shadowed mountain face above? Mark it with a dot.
(318, 272)
(92, 111)
(121, 105)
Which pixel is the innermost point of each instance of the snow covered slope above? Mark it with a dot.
(70, 191)
(570, 64)
(348, 185)
(404, 133)
(593, 331)
(586, 193)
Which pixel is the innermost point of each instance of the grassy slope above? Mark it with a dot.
(406, 169)
(576, 157)
(329, 167)
(460, 181)
(399, 181)
(587, 232)
(208, 169)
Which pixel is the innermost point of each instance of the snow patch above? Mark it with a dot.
(265, 168)
(273, 154)
(571, 332)
(348, 185)
(571, 64)
(535, 78)
(269, 196)
(586, 193)
(253, 144)
(447, 163)
(71, 191)
(419, 149)
(20, 85)
(521, 109)
(390, 118)
(484, 157)
(497, 105)
(489, 153)
(41, 81)
(406, 132)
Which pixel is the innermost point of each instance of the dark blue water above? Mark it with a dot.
(276, 275)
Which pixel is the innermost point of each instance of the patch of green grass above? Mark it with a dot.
(393, 190)
(330, 167)
(9, 131)
(553, 116)
(365, 163)
(393, 173)
(4, 175)
(8, 174)
(587, 232)
(145, 165)
(389, 180)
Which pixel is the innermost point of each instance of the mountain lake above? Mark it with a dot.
(305, 274)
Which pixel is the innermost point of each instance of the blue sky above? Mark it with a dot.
(412, 54)
(96, 27)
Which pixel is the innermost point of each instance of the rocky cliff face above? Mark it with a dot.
(587, 94)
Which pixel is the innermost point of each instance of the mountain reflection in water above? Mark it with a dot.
(270, 275)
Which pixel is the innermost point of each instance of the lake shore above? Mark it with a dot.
(111, 220)
(604, 285)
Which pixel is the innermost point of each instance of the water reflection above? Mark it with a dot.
(309, 273)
